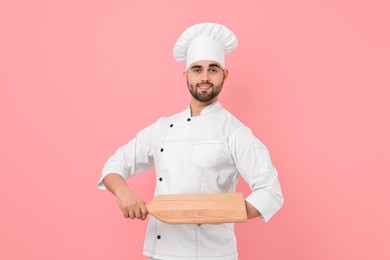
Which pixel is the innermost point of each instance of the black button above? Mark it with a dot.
(171, 125)
(160, 179)
(188, 119)
(162, 150)
(158, 237)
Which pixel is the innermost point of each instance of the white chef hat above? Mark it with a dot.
(204, 41)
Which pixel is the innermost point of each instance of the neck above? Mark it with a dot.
(197, 106)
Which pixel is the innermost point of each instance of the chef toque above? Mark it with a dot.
(204, 41)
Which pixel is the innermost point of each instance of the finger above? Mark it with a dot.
(138, 213)
(144, 212)
(131, 215)
(125, 214)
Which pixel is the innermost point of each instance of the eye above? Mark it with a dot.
(213, 70)
(196, 70)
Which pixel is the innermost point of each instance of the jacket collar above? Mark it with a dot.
(207, 110)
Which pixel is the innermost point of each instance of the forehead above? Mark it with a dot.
(205, 63)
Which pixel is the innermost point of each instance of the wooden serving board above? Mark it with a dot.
(215, 208)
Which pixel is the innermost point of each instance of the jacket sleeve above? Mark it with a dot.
(132, 158)
(254, 165)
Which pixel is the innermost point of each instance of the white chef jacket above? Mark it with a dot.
(202, 154)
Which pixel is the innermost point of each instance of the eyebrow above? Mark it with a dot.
(210, 65)
(196, 67)
(215, 65)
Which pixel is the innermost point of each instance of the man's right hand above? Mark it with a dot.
(131, 205)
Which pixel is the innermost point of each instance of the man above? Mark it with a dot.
(200, 150)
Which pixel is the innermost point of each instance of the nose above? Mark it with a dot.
(205, 76)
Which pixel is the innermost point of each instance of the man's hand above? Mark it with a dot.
(131, 205)
(251, 211)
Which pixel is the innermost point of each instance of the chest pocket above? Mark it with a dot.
(205, 153)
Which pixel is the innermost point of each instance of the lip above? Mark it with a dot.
(204, 86)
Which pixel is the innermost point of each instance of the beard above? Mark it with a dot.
(207, 95)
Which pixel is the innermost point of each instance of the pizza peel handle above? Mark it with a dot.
(215, 208)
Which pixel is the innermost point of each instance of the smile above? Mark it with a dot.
(204, 86)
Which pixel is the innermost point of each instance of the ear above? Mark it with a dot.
(185, 74)
(225, 73)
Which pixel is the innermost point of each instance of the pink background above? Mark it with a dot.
(79, 78)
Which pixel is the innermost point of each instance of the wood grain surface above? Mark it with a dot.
(215, 208)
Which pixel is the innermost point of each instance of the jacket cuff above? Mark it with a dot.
(265, 203)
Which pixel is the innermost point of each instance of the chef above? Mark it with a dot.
(203, 149)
